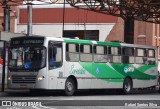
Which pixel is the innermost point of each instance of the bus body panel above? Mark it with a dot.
(42, 84)
(137, 83)
(53, 78)
(83, 77)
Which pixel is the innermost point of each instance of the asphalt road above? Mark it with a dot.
(95, 99)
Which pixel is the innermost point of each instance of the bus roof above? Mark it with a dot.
(107, 43)
(70, 40)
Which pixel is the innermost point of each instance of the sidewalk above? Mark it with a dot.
(2, 93)
(6, 90)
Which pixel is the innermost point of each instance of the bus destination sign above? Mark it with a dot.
(27, 41)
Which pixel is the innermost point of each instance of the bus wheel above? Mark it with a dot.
(127, 86)
(69, 87)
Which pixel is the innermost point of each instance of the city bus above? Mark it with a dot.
(48, 63)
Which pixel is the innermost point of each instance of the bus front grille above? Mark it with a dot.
(23, 79)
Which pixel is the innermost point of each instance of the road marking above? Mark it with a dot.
(36, 107)
(13, 108)
(32, 98)
(42, 107)
(47, 107)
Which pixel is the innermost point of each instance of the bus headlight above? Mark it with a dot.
(39, 78)
(9, 78)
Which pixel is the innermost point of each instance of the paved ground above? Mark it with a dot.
(98, 99)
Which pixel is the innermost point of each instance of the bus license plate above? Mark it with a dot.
(24, 86)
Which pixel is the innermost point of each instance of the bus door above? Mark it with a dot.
(55, 69)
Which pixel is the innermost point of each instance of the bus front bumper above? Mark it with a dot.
(21, 86)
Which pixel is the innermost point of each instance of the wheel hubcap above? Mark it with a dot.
(127, 87)
(69, 86)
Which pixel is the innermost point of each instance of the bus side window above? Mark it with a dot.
(151, 56)
(128, 55)
(114, 54)
(85, 53)
(72, 52)
(55, 54)
(100, 53)
(141, 56)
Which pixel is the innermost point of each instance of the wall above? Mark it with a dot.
(7, 35)
(55, 30)
(13, 16)
(117, 32)
(49, 21)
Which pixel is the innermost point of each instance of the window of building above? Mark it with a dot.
(82, 34)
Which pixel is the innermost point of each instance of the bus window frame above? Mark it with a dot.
(109, 54)
(81, 53)
(104, 54)
(148, 53)
(151, 62)
(128, 55)
(61, 62)
(144, 57)
(67, 52)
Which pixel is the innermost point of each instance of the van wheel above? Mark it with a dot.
(127, 86)
(69, 87)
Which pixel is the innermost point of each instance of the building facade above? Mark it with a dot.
(57, 21)
(13, 18)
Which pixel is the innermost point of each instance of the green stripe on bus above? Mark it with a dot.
(137, 73)
(78, 41)
(102, 71)
(91, 42)
(109, 43)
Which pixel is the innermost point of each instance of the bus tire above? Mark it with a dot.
(69, 87)
(127, 86)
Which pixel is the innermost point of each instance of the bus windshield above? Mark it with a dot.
(27, 58)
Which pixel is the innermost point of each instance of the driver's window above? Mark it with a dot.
(54, 54)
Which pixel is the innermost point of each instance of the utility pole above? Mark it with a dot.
(6, 18)
(6, 27)
(29, 27)
(4, 66)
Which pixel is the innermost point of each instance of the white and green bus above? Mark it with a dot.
(49, 63)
